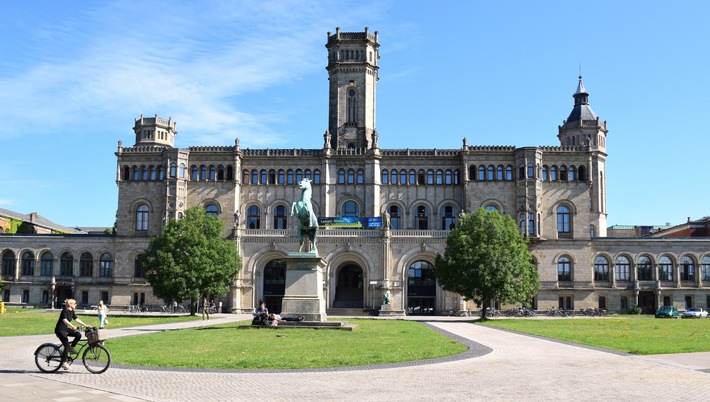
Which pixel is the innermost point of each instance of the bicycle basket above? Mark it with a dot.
(96, 335)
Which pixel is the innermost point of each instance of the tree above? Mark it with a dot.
(487, 259)
(190, 259)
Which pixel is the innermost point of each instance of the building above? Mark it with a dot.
(557, 194)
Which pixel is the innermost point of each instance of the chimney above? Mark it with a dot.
(33, 216)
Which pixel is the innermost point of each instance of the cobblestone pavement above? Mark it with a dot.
(504, 366)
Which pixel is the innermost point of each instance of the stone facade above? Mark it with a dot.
(556, 193)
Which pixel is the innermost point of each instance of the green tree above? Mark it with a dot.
(487, 259)
(190, 259)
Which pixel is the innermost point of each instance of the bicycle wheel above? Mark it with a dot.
(96, 359)
(48, 358)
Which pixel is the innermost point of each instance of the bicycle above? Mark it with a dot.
(95, 356)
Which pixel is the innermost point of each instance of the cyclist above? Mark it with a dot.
(65, 328)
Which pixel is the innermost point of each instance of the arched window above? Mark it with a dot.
(601, 268)
(623, 268)
(564, 221)
(142, 217)
(106, 265)
(509, 173)
(439, 177)
(553, 173)
(491, 207)
(182, 170)
(665, 268)
(352, 106)
(272, 176)
(161, 173)
(66, 264)
(173, 169)
(126, 173)
(531, 170)
(412, 177)
(136, 173)
(644, 269)
(280, 218)
(457, 176)
(289, 176)
(262, 177)
(245, 177)
(687, 268)
(430, 177)
(341, 176)
(447, 177)
(563, 173)
(582, 173)
(572, 173)
(402, 177)
(316, 176)
(351, 209)
(86, 264)
(28, 263)
(8, 263)
(211, 210)
(421, 218)
(299, 175)
(193, 173)
(351, 176)
(500, 173)
(151, 172)
(47, 264)
(253, 217)
(213, 173)
(385, 177)
(137, 267)
(545, 174)
(472, 172)
(421, 273)
(531, 224)
(564, 269)
(144, 173)
(307, 173)
(490, 173)
(481, 173)
(220, 173)
(395, 217)
(230, 172)
(360, 176)
(254, 176)
(705, 263)
(448, 218)
(393, 177)
(282, 177)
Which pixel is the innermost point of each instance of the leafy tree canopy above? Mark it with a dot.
(190, 258)
(487, 259)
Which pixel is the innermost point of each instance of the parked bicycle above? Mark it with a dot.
(94, 355)
(135, 308)
(491, 312)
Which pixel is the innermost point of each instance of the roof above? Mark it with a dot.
(36, 219)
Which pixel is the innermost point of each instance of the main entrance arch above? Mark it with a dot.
(421, 288)
(348, 289)
(274, 284)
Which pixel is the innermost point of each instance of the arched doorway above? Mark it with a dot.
(421, 288)
(274, 284)
(348, 290)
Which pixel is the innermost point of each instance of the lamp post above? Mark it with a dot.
(372, 293)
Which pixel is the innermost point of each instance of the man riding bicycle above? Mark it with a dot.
(65, 328)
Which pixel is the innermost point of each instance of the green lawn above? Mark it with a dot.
(35, 321)
(642, 335)
(227, 347)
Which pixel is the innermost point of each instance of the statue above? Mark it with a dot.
(386, 298)
(305, 217)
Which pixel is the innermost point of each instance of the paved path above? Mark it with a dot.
(503, 366)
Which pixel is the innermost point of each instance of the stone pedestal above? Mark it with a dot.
(304, 287)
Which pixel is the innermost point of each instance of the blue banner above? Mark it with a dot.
(350, 222)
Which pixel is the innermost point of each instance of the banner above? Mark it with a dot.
(350, 222)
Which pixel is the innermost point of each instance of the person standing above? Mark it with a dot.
(219, 307)
(205, 309)
(103, 314)
(64, 329)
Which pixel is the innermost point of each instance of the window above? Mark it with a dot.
(211, 210)
(490, 173)
(253, 217)
(182, 170)
(66, 264)
(564, 273)
(351, 176)
(161, 173)
(623, 269)
(531, 224)
(385, 177)
(307, 173)
(142, 217)
(572, 173)
(280, 218)
(316, 176)
(564, 227)
(341, 176)
(500, 173)
(472, 172)
(220, 172)
(393, 177)
(421, 218)
(447, 177)
(440, 177)
(47, 264)
(421, 273)
(360, 176)
(430, 177)
(481, 173)
(545, 174)
(601, 268)
(563, 173)
(509, 173)
(86, 264)
(412, 177)
(396, 218)
(84, 297)
(602, 302)
(151, 173)
(448, 218)
(299, 175)
(173, 169)
(262, 177)
(28, 263)
(644, 269)
(136, 173)
(193, 173)
(706, 268)
(624, 303)
(282, 177)
(272, 176)
(144, 173)
(25, 295)
(687, 269)
(351, 103)
(402, 177)
(491, 208)
(665, 268)
(553, 173)
(213, 173)
(531, 170)
(106, 265)
(457, 176)
(351, 209)
(289, 176)
(254, 177)
(126, 173)
(137, 268)
(8, 263)
(421, 177)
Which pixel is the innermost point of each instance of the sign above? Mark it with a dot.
(350, 222)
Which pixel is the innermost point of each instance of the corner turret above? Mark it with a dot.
(583, 126)
(155, 131)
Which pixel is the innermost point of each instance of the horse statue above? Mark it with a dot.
(306, 218)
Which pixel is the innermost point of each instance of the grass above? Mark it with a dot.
(227, 347)
(16, 321)
(642, 335)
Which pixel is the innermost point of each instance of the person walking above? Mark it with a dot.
(205, 309)
(103, 314)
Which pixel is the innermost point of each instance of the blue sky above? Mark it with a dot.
(74, 76)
